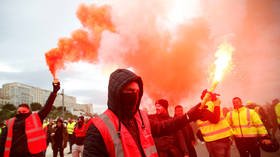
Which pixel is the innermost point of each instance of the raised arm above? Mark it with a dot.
(49, 103)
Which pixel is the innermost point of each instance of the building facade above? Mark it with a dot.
(18, 93)
(82, 109)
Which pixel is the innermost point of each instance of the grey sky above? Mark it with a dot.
(28, 29)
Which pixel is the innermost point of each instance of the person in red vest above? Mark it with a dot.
(79, 137)
(24, 135)
(125, 130)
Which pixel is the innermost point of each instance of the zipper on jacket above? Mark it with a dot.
(239, 122)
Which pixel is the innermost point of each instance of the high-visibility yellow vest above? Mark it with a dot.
(277, 111)
(211, 131)
(70, 127)
(45, 124)
(246, 123)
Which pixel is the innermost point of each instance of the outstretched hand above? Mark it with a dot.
(195, 113)
(56, 86)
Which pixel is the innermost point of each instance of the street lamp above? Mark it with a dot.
(62, 94)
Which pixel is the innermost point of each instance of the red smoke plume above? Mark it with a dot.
(84, 43)
(170, 63)
(173, 64)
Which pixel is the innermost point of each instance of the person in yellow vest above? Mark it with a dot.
(214, 128)
(70, 129)
(247, 129)
(262, 114)
(24, 135)
(276, 104)
(123, 129)
(2, 125)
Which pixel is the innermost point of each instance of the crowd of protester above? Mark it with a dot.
(126, 130)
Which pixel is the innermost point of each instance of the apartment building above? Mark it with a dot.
(17, 93)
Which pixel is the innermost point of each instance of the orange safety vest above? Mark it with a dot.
(36, 137)
(124, 145)
(80, 132)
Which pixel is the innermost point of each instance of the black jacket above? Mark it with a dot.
(19, 140)
(166, 145)
(94, 145)
(185, 137)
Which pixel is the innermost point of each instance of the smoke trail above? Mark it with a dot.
(173, 60)
(84, 43)
(168, 61)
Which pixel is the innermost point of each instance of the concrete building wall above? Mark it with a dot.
(18, 93)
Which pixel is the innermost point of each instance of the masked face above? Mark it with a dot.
(22, 110)
(129, 99)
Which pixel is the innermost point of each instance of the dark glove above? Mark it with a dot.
(56, 86)
(195, 113)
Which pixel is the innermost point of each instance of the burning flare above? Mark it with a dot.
(222, 65)
(223, 61)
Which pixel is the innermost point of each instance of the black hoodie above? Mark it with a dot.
(119, 79)
(94, 145)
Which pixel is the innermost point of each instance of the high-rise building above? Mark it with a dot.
(18, 93)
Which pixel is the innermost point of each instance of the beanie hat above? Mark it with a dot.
(81, 118)
(59, 120)
(24, 105)
(163, 103)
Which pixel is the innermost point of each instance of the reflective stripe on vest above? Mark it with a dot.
(124, 145)
(215, 131)
(245, 125)
(117, 142)
(36, 137)
(150, 150)
(8, 144)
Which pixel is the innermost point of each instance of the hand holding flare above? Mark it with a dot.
(56, 85)
(222, 64)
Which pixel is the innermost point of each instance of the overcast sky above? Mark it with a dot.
(154, 37)
(28, 29)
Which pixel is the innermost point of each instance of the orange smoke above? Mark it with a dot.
(170, 62)
(172, 70)
(84, 43)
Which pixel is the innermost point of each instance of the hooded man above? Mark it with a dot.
(24, 135)
(123, 129)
